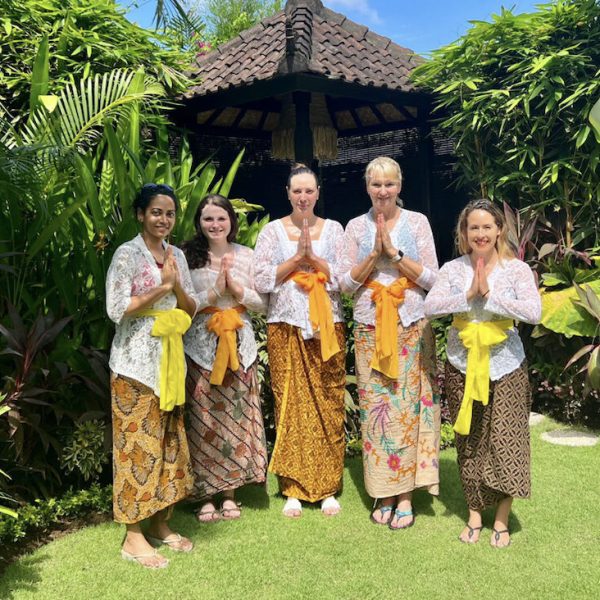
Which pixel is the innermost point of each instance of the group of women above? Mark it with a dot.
(185, 310)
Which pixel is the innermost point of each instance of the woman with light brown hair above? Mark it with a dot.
(296, 259)
(486, 382)
(388, 263)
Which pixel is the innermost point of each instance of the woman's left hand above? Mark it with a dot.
(305, 235)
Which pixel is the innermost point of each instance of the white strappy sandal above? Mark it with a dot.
(292, 504)
(329, 504)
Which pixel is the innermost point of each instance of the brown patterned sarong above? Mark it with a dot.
(151, 460)
(494, 459)
(309, 410)
(226, 432)
(400, 418)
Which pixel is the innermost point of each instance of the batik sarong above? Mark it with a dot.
(151, 460)
(400, 418)
(226, 432)
(309, 410)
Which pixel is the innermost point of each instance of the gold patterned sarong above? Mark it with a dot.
(309, 410)
(151, 460)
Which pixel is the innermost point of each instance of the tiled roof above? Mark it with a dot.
(306, 37)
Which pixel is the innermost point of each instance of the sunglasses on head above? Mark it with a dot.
(157, 187)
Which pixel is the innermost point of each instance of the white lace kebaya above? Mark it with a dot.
(411, 234)
(513, 295)
(288, 303)
(133, 271)
(201, 344)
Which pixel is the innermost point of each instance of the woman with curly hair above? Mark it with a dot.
(226, 432)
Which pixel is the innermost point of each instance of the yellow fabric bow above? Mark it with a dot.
(387, 299)
(224, 324)
(319, 310)
(170, 325)
(477, 339)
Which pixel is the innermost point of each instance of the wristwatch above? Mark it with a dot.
(398, 257)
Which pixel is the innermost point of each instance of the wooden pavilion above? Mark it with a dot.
(309, 85)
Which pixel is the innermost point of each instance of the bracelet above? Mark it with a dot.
(214, 289)
(398, 257)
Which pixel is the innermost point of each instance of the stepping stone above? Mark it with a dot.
(535, 418)
(570, 437)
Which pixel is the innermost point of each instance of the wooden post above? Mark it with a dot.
(303, 139)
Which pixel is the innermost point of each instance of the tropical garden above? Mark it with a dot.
(84, 103)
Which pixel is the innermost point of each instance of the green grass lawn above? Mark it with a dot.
(555, 551)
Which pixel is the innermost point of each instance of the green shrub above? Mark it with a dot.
(42, 515)
(85, 451)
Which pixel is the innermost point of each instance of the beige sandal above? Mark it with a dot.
(208, 516)
(139, 558)
(175, 541)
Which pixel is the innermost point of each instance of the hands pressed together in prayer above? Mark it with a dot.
(169, 273)
(479, 285)
(383, 242)
(225, 280)
(305, 252)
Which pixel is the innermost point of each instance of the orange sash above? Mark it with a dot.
(387, 299)
(224, 323)
(319, 309)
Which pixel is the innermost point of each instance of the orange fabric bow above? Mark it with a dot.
(387, 299)
(319, 309)
(224, 323)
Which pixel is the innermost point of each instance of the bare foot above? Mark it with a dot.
(470, 534)
(330, 506)
(230, 510)
(500, 537)
(292, 508)
(403, 515)
(208, 513)
(382, 515)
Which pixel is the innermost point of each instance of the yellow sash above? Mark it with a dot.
(319, 309)
(477, 339)
(224, 323)
(387, 299)
(170, 325)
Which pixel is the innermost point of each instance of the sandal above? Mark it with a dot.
(399, 514)
(383, 509)
(290, 505)
(470, 535)
(332, 505)
(139, 558)
(175, 541)
(237, 508)
(497, 534)
(208, 516)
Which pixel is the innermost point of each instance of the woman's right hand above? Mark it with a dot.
(475, 289)
(378, 244)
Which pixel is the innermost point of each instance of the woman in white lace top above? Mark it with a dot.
(226, 432)
(389, 261)
(486, 381)
(150, 297)
(296, 264)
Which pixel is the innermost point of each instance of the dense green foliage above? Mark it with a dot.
(515, 94)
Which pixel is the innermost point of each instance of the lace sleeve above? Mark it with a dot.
(251, 299)
(517, 296)
(335, 251)
(266, 260)
(447, 295)
(119, 280)
(186, 278)
(426, 246)
(349, 258)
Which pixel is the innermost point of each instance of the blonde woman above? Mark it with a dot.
(487, 386)
(389, 261)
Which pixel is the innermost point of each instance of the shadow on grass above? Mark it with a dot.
(23, 576)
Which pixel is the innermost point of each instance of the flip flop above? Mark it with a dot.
(292, 504)
(471, 533)
(138, 558)
(330, 503)
(398, 514)
(383, 510)
(171, 541)
(497, 534)
(236, 508)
